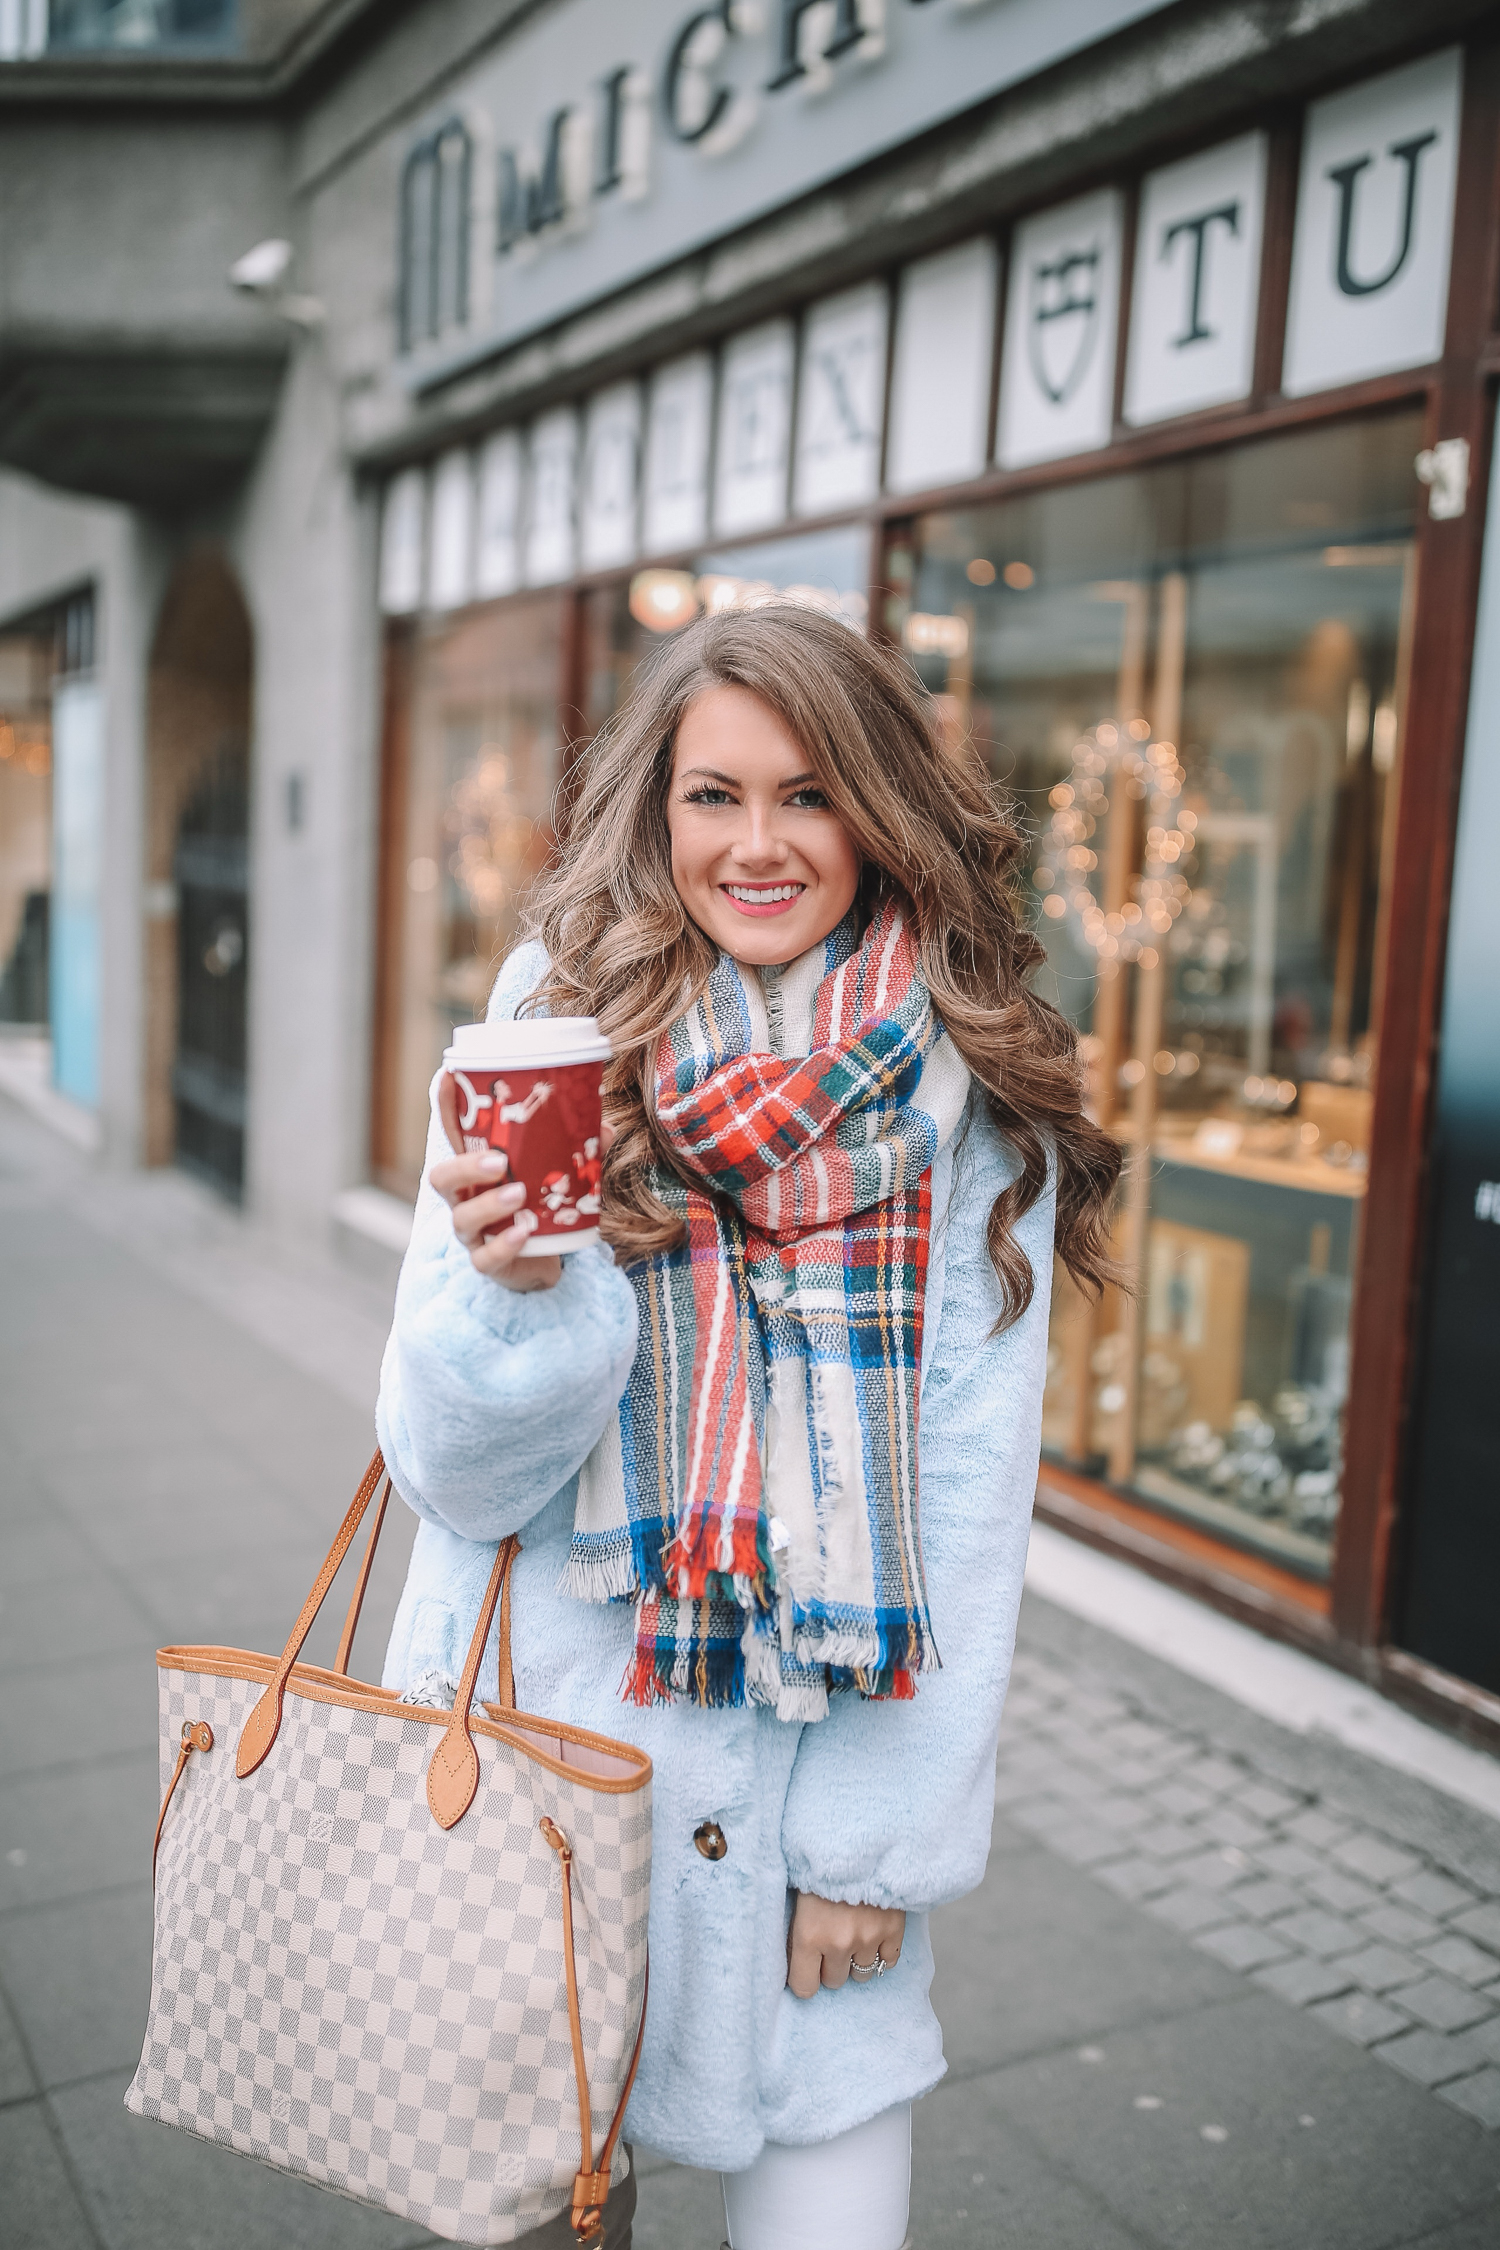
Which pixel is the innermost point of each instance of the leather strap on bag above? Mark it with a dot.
(591, 2184)
(453, 1774)
(591, 2189)
(505, 1694)
(357, 1598)
(264, 1723)
(196, 1735)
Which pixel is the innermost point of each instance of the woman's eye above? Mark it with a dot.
(810, 800)
(706, 794)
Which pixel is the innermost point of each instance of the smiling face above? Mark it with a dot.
(762, 864)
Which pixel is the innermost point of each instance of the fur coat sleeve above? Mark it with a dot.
(490, 1400)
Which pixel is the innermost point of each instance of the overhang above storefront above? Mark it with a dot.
(161, 431)
(130, 369)
(137, 165)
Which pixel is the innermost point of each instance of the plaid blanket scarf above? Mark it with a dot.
(756, 1495)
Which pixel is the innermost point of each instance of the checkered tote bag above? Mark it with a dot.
(399, 1951)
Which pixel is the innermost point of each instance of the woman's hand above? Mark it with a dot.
(475, 1190)
(826, 1937)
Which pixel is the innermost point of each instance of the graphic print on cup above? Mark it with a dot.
(533, 1091)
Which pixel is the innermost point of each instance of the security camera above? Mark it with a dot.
(261, 273)
(262, 270)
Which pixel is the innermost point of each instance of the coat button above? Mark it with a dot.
(710, 1840)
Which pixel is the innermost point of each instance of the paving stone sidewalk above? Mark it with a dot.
(1220, 1985)
(1379, 1942)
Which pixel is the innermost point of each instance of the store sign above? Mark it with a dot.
(794, 415)
(1197, 282)
(1062, 311)
(842, 402)
(1374, 227)
(612, 136)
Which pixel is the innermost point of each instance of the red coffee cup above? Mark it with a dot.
(533, 1090)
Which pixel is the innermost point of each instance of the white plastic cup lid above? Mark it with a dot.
(535, 1041)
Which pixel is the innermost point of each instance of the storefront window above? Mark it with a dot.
(474, 758)
(829, 570)
(1192, 679)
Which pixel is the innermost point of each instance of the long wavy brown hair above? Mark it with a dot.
(928, 826)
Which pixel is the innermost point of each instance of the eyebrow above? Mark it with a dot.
(712, 773)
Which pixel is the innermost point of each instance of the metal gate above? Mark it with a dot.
(212, 871)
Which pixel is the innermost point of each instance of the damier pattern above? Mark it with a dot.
(759, 1494)
(350, 1993)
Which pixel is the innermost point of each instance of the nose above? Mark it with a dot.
(759, 844)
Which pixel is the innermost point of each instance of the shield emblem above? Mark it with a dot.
(1063, 320)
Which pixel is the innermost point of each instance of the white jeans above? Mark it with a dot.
(851, 2193)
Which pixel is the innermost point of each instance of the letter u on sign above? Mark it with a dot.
(1374, 227)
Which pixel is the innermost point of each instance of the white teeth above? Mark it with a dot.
(771, 895)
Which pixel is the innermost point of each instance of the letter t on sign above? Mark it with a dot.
(1197, 282)
(1228, 214)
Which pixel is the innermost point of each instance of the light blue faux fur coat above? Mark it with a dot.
(489, 1403)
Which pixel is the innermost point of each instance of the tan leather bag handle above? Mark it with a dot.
(357, 1598)
(506, 1693)
(264, 1723)
(453, 1774)
(453, 1771)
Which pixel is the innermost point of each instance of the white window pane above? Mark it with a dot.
(497, 561)
(551, 519)
(940, 383)
(401, 543)
(611, 466)
(450, 574)
(1374, 227)
(675, 508)
(1062, 311)
(841, 401)
(755, 417)
(1197, 282)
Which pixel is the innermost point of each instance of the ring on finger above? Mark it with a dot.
(863, 1972)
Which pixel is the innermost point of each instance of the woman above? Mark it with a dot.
(734, 1551)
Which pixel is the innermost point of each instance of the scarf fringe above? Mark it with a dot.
(905, 1650)
(713, 1678)
(600, 1578)
(747, 1580)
